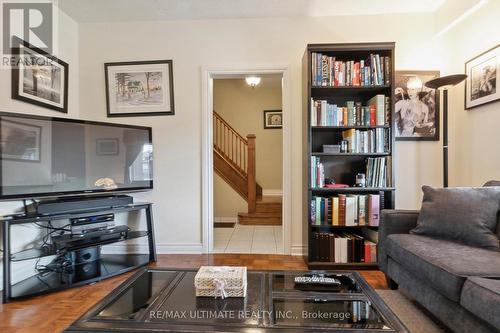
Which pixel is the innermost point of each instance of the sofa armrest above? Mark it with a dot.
(393, 222)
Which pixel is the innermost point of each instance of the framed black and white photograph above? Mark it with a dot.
(107, 147)
(273, 119)
(40, 78)
(416, 107)
(20, 141)
(139, 88)
(481, 86)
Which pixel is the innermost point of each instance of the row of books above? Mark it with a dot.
(347, 210)
(371, 141)
(379, 171)
(317, 172)
(328, 71)
(342, 248)
(376, 113)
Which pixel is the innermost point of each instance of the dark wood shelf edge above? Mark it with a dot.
(343, 226)
(352, 189)
(374, 87)
(350, 127)
(351, 154)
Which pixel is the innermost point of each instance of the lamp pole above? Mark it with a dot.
(445, 82)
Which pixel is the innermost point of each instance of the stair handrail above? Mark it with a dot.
(239, 153)
(230, 144)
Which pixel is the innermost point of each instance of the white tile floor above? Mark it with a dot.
(249, 239)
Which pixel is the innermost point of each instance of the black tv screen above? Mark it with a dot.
(50, 157)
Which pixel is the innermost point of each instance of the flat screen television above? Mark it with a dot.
(53, 157)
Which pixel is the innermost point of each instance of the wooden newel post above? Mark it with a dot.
(252, 183)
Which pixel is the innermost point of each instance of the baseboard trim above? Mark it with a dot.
(229, 219)
(277, 193)
(297, 250)
(185, 248)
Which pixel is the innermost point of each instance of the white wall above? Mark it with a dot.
(68, 52)
(193, 44)
(474, 133)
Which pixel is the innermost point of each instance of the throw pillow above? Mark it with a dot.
(465, 215)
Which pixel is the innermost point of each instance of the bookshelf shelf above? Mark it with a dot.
(329, 104)
(342, 226)
(373, 87)
(351, 154)
(343, 128)
(351, 189)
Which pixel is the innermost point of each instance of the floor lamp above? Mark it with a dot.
(445, 83)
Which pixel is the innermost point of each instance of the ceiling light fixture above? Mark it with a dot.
(252, 81)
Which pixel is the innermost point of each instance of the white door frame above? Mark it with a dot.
(207, 166)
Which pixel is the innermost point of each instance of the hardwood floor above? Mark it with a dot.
(54, 312)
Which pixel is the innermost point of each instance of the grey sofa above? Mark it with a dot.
(458, 284)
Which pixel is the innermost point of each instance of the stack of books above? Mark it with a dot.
(347, 210)
(328, 71)
(376, 113)
(379, 171)
(342, 248)
(370, 141)
(317, 173)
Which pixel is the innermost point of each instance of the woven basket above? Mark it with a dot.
(221, 281)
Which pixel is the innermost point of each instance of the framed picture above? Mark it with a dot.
(40, 79)
(273, 119)
(482, 78)
(20, 141)
(416, 106)
(139, 88)
(107, 147)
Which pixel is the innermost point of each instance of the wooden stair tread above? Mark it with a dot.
(271, 199)
(261, 215)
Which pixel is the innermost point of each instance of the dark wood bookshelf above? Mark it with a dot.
(343, 167)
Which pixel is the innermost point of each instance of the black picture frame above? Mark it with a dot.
(109, 107)
(16, 72)
(270, 126)
(469, 64)
(431, 94)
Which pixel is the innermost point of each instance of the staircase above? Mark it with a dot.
(234, 161)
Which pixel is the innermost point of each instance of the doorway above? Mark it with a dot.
(210, 133)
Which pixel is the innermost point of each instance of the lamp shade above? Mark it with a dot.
(449, 80)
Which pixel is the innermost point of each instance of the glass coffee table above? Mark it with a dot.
(163, 300)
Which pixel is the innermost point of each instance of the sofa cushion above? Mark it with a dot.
(443, 264)
(482, 297)
(463, 214)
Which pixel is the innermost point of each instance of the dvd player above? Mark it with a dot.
(70, 242)
(86, 224)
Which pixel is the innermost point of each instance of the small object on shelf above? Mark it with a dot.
(344, 146)
(331, 149)
(221, 281)
(360, 180)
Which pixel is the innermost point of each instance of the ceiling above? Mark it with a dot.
(154, 10)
